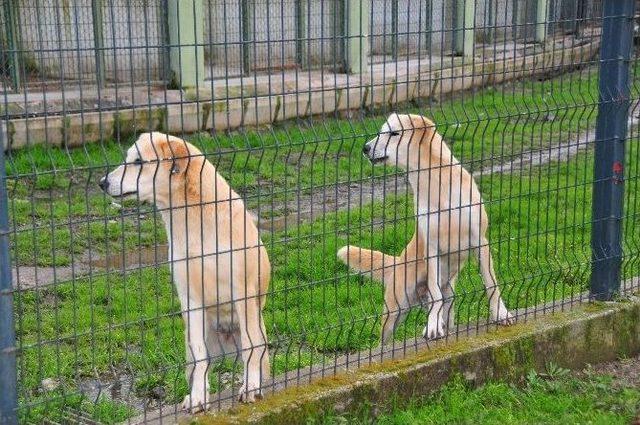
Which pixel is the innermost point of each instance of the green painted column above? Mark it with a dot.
(357, 21)
(542, 11)
(465, 23)
(11, 10)
(97, 7)
(186, 35)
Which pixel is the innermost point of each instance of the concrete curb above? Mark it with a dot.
(207, 111)
(585, 334)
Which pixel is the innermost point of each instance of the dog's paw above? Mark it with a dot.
(196, 402)
(506, 319)
(249, 395)
(434, 330)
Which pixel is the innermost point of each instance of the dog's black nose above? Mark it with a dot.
(366, 149)
(103, 183)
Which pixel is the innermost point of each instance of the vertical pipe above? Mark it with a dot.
(246, 36)
(11, 15)
(579, 18)
(394, 30)
(490, 21)
(301, 33)
(98, 40)
(611, 132)
(8, 373)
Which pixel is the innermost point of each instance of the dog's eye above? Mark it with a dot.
(394, 133)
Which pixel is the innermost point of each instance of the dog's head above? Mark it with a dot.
(399, 141)
(155, 169)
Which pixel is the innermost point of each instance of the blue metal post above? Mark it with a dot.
(611, 132)
(8, 373)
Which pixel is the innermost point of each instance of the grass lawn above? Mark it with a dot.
(551, 398)
(127, 324)
(60, 214)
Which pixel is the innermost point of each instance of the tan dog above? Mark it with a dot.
(451, 222)
(219, 265)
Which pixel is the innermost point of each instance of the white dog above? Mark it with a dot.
(451, 222)
(219, 265)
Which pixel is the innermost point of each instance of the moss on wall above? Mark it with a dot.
(572, 338)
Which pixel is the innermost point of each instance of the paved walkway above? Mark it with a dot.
(75, 114)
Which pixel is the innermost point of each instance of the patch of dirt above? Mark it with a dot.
(319, 201)
(625, 372)
(562, 151)
(29, 277)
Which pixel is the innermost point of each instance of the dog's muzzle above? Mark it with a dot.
(366, 150)
(104, 185)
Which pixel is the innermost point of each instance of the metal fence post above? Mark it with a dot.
(394, 30)
(611, 132)
(186, 35)
(301, 33)
(245, 21)
(8, 373)
(357, 20)
(465, 23)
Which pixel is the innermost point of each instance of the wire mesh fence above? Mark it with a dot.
(261, 193)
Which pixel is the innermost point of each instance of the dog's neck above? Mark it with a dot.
(193, 198)
(430, 170)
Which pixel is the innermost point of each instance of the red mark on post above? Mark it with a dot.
(617, 169)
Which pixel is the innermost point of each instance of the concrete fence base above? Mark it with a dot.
(587, 334)
(570, 333)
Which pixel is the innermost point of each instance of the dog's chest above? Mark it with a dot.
(444, 212)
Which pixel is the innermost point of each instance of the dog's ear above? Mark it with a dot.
(424, 128)
(176, 150)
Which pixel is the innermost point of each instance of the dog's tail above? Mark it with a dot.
(383, 267)
(361, 260)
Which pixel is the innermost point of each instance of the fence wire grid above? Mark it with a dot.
(205, 202)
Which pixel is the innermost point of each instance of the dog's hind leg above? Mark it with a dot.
(255, 353)
(499, 312)
(392, 316)
(400, 294)
(190, 362)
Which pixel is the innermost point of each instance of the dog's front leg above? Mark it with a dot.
(196, 336)
(435, 322)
